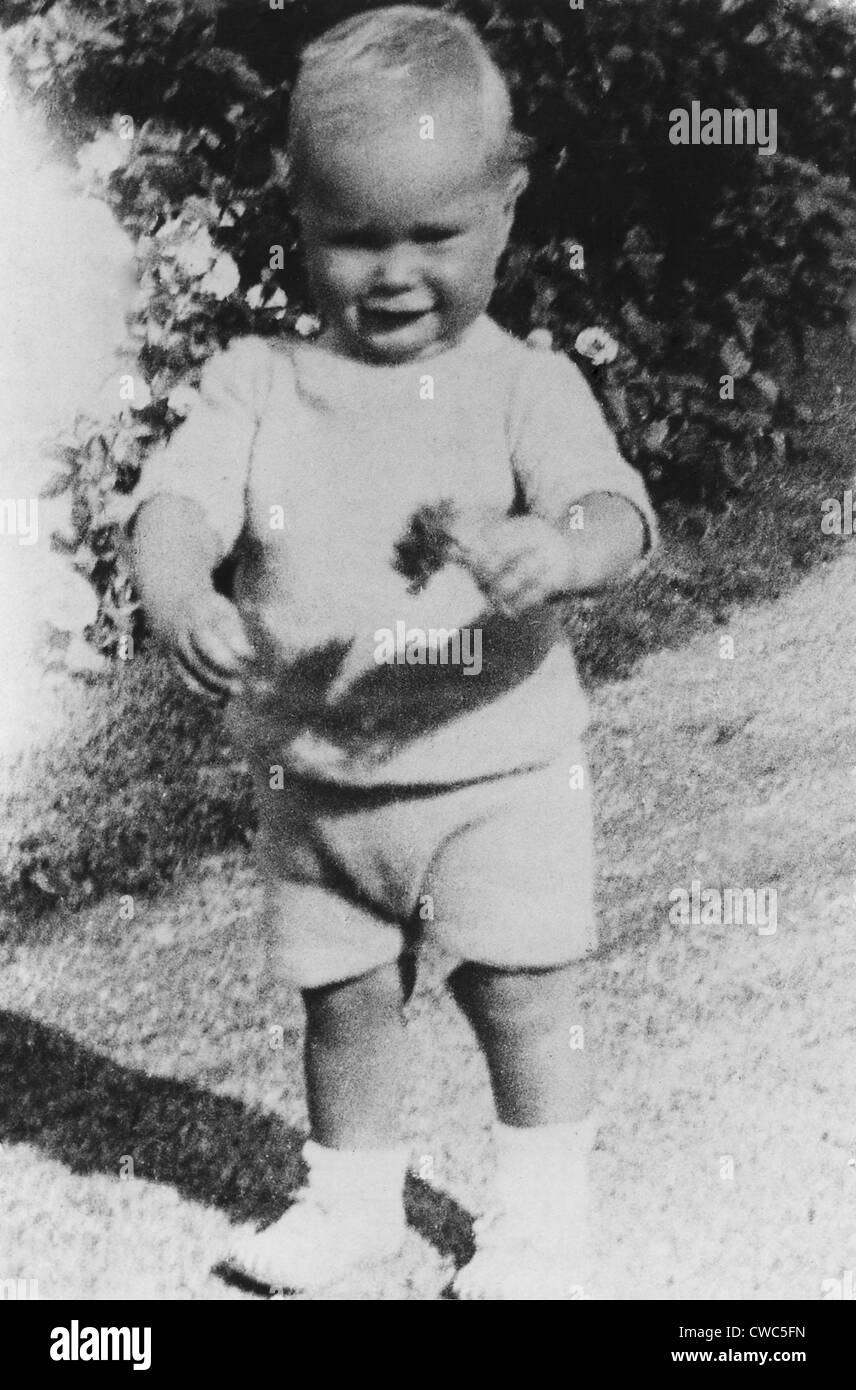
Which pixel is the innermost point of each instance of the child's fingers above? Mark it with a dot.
(207, 660)
(516, 565)
(225, 620)
(211, 697)
(211, 648)
(219, 645)
(522, 586)
(490, 566)
(196, 679)
(473, 527)
(468, 538)
(213, 656)
(501, 560)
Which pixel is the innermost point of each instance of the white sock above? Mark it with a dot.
(542, 1184)
(370, 1180)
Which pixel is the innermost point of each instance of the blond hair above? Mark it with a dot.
(377, 65)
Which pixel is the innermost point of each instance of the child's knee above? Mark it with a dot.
(346, 1010)
(524, 1001)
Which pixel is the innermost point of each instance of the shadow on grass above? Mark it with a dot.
(86, 1111)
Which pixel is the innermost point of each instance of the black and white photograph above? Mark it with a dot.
(427, 676)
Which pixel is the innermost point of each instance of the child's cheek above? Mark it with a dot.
(324, 270)
(471, 279)
(346, 278)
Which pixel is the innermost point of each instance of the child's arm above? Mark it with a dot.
(174, 552)
(586, 518)
(188, 511)
(523, 561)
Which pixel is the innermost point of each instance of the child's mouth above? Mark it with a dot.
(380, 320)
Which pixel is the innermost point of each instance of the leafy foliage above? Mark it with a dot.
(698, 261)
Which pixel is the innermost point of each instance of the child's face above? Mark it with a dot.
(401, 238)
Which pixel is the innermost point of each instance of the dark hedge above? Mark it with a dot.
(698, 261)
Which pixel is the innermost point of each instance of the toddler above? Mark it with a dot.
(412, 487)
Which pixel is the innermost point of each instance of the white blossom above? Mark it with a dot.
(196, 254)
(102, 156)
(222, 279)
(596, 344)
(306, 325)
(182, 399)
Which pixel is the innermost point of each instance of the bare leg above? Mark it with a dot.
(523, 1020)
(355, 1060)
(350, 1211)
(528, 1023)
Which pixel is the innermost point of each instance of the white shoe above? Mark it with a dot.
(509, 1265)
(313, 1246)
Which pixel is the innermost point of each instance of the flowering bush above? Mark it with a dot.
(662, 268)
(64, 322)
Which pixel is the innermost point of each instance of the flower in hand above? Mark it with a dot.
(519, 562)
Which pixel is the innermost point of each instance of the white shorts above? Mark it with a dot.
(498, 871)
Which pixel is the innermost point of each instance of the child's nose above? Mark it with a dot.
(397, 269)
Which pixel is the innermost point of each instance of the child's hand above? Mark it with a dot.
(174, 553)
(519, 562)
(209, 645)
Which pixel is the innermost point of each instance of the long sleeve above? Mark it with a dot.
(208, 457)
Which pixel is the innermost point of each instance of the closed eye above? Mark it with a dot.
(357, 241)
(435, 235)
(375, 241)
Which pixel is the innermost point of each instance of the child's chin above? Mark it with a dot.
(405, 344)
(396, 356)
